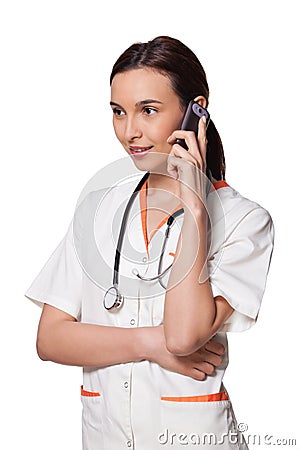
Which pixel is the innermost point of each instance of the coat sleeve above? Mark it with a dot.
(59, 283)
(238, 270)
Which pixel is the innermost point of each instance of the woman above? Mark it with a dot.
(152, 366)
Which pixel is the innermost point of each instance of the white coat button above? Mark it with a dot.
(126, 384)
(145, 259)
(132, 322)
(128, 443)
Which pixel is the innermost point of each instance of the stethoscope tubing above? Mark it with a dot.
(119, 299)
(167, 233)
(123, 227)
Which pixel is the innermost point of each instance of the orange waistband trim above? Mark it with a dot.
(199, 398)
(85, 393)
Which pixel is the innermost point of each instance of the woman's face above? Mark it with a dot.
(146, 111)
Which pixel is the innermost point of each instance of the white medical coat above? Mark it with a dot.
(140, 405)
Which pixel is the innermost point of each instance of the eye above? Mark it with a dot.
(149, 110)
(118, 112)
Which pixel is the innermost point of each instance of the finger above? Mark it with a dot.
(211, 358)
(202, 128)
(177, 150)
(206, 368)
(178, 160)
(173, 166)
(198, 375)
(190, 139)
(202, 140)
(215, 347)
(180, 156)
(180, 134)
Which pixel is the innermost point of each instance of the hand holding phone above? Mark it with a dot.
(190, 122)
(193, 114)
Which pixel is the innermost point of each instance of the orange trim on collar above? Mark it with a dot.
(143, 207)
(219, 184)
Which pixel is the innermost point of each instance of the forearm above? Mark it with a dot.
(80, 344)
(190, 309)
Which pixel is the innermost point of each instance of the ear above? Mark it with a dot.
(201, 100)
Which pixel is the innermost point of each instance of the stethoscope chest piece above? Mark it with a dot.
(113, 299)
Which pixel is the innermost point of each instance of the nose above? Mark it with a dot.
(132, 129)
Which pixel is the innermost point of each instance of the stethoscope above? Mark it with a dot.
(113, 299)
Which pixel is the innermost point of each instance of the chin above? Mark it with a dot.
(152, 162)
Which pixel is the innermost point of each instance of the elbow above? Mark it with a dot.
(185, 346)
(178, 349)
(42, 348)
(41, 353)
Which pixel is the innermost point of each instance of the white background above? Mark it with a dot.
(56, 134)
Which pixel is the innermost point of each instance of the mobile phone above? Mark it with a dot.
(193, 114)
(190, 121)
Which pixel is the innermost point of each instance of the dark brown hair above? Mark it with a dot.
(171, 57)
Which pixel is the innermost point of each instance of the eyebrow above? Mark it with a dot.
(140, 103)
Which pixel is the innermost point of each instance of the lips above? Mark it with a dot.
(138, 151)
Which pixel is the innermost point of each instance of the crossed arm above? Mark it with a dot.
(182, 344)
(63, 340)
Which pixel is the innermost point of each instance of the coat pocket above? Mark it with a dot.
(206, 421)
(92, 433)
